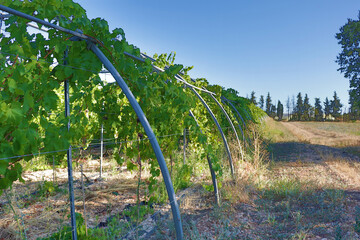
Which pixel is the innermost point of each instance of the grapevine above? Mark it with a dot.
(32, 77)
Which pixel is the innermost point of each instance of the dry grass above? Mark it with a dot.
(335, 173)
(44, 215)
(274, 131)
(8, 231)
(236, 192)
(335, 134)
(248, 170)
(348, 128)
(335, 137)
(347, 170)
(303, 194)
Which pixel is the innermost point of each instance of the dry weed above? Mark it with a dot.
(8, 232)
(345, 169)
(247, 171)
(236, 192)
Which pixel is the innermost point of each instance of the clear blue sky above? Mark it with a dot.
(282, 47)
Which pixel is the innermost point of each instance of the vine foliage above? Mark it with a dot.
(33, 68)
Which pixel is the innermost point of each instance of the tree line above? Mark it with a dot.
(299, 108)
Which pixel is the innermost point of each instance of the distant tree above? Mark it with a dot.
(312, 112)
(306, 114)
(298, 112)
(335, 106)
(268, 104)
(327, 108)
(279, 111)
(253, 98)
(232, 91)
(288, 106)
(354, 109)
(349, 57)
(261, 102)
(318, 110)
(272, 111)
(293, 104)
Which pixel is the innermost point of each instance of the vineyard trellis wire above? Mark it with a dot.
(169, 73)
(96, 145)
(106, 142)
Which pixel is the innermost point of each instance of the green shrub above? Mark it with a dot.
(115, 228)
(282, 189)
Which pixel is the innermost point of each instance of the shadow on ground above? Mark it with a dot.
(296, 151)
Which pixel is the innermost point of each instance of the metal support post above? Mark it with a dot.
(212, 172)
(213, 177)
(101, 148)
(69, 160)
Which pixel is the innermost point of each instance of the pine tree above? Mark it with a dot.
(293, 104)
(306, 115)
(349, 57)
(312, 113)
(268, 104)
(261, 102)
(288, 107)
(273, 111)
(318, 110)
(280, 111)
(253, 98)
(298, 112)
(354, 108)
(335, 106)
(327, 108)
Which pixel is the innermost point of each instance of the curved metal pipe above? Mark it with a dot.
(238, 116)
(177, 76)
(219, 128)
(212, 172)
(242, 119)
(45, 23)
(237, 119)
(152, 138)
(231, 124)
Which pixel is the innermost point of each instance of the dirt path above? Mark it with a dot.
(316, 136)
